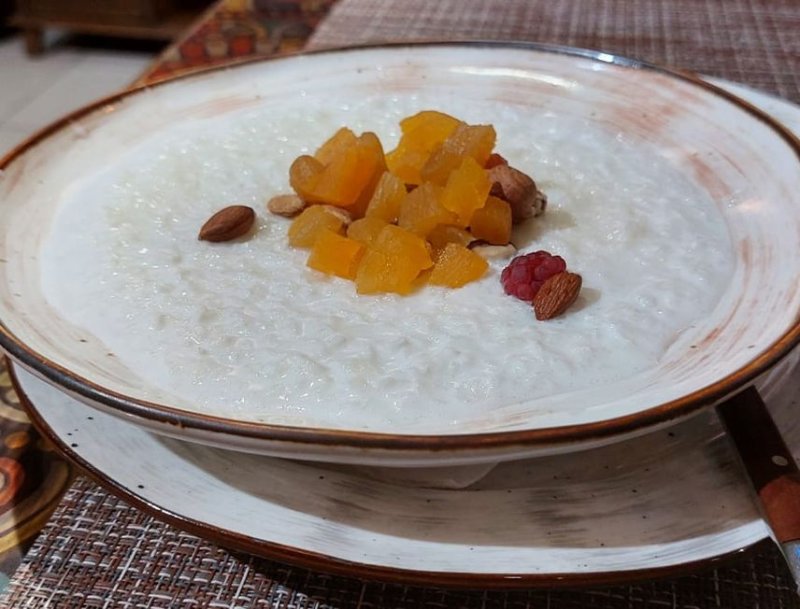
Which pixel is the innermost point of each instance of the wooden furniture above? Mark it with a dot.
(149, 19)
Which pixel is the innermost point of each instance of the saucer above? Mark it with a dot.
(657, 505)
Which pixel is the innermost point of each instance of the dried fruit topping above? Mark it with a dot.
(525, 275)
(310, 224)
(519, 190)
(228, 223)
(556, 295)
(456, 266)
(392, 215)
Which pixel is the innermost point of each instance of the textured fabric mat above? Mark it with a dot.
(237, 29)
(755, 42)
(97, 552)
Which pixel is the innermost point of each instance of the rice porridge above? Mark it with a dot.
(245, 329)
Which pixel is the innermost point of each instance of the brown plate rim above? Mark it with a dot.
(198, 423)
(319, 562)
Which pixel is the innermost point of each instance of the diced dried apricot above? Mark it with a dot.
(393, 236)
(427, 129)
(349, 176)
(304, 175)
(421, 211)
(379, 272)
(387, 198)
(342, 180)
(343, 139)
(335, 255)
(443, 234)
(403, 244)
(306, 227)
(365, 230)
(457, 266)
(373, 162)
(466, 190)
(406, 163)
(422, 133)
(492, 222)
(474, 141)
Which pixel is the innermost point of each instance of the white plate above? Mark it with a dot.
(656, 505)
(745, 165)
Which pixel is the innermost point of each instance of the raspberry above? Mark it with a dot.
(525, 274)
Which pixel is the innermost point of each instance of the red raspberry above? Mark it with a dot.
(525, 274)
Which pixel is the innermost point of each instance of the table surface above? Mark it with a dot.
(96, 551)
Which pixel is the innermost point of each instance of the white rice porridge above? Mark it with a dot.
(245, 329)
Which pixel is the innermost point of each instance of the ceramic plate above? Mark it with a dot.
(96, 235)
(657, 505)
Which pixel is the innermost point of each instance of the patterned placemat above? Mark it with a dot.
(32, 479)
(97, 551)
(236, 29)
(755, 42)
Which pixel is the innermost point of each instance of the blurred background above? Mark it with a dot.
(58, 55)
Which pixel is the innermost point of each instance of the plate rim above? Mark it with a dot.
(320, 562)
(186, 423)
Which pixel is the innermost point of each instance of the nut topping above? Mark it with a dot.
(556, 295)
(519, 190)
(228, 223)
(287, 206)
(487, 251)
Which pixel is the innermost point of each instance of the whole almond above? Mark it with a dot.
(556, 295)
(519, 190)
(287, 206)
(228, 223)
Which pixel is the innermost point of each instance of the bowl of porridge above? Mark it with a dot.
(678, 204)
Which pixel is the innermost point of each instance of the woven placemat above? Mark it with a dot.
(99, 552)
(755, 42)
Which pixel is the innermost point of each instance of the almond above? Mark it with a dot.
(556, 295)
(287, 206)
(519, 190)
(228, 223)
(487, 251)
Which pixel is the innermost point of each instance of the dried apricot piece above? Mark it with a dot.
(305, 228)
(365, 230)
(342, 180)
(341, 140)
(466, 190)
(492, 222)
(422, 133)
(379, 272)
(427, 129)
(474, 141)
(421, 211)
(335, 255)
(412, 249)
(373, 165)
(348, 177)
(457, 266)
(387, 198)
(443, 234)
(304, 175)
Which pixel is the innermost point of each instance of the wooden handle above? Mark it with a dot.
(768, 461)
